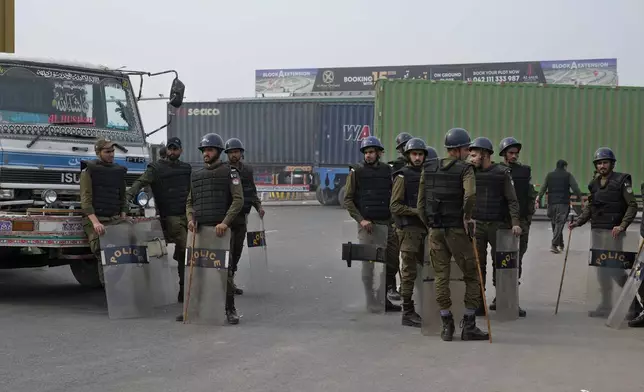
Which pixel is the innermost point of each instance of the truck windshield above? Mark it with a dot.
(102, 103)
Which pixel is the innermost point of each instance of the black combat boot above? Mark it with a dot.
(391, 307)
(447, 334)
(231, 316)
(522, 312)
(470, 331)
(637, 322)
(410, 318)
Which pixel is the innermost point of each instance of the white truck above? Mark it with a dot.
(51, 114)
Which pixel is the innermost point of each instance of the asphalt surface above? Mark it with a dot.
(310, 333)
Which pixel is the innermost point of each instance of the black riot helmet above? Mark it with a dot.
(211, 140)
(431, 153)
(371, 141)
(415, 144)
(402, 139)
(482, 143)
(457, 137)
(507, 143)
(604, 154)
(234, 144)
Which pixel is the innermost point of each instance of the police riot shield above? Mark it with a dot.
(608, 262)
(207, 259)
(257, 254)
(628, 295)
(506, 268)
(164, 283)
(430, 310)
(368, 251)
(126, 272)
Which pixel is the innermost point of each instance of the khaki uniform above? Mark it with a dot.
(234, 209)
(175, 228)
(393, 249)
(87, 198)
(446, 243)
(486, 230)
(410, 239)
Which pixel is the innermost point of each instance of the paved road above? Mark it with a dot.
(309, 334)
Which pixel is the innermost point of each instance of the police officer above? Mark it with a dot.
(216, 197)
(558, 184)
(638, 322)
(401, 161)
(611, 206)
(234, 148)
(521, 176)
(368, 191)
(102, 195)
(496, 204)
(170, 182)
(410, 228)
(446, 201)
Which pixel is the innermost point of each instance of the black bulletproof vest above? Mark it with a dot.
(108, 181)
(608, 206)
(412, 181)
(373, 191)
(211, 194)
(559, 187)
(444, 193)
(491, 204)
(521, 175)
(171, 187)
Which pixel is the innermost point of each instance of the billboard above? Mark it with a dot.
(361, 80)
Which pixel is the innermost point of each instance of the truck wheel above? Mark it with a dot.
(88, 273)
(341, 193)
(319, 196)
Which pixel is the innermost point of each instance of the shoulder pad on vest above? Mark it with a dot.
(502, 168)
(355, 166)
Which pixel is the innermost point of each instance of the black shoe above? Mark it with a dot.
(470, 331)
(391, 307)
(637, 322)
(447, 334)
(522, 312)
(231, 316)
(410, 318)
(179, 318)
(180, 295)
(393, 294)
(493, 304)
(554, 249)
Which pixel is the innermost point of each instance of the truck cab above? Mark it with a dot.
(51, 114)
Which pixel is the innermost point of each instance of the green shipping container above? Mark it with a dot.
(552, 121)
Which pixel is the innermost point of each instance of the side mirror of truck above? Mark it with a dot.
(176, 92)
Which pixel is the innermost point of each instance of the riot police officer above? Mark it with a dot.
(169, 179)
(638, 322)
(409, 227)
(611, 206)
(496, 205)
(234, 148)
(368, 191)
(446, 199)
(103, 201)
(522, 177)
(215, 199)
(401, 161)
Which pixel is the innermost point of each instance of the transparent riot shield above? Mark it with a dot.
(126, 273)
(430, 310)
(368, 250)
(506, 268)
(257, 254)
(164, 283)
(608, 262)
(628, 295)
(206, 277)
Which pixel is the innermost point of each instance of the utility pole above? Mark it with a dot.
(7, 26)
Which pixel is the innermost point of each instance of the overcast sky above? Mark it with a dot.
(216, 46)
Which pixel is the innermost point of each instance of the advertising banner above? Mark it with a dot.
(332, 81)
